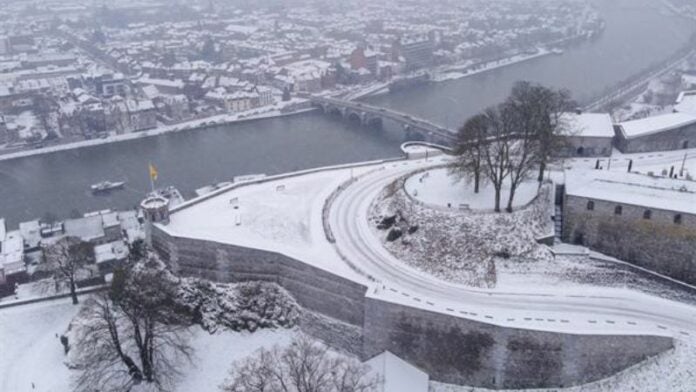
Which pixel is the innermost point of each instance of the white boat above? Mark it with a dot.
(106, 186)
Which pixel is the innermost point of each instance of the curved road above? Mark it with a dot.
(607, 311)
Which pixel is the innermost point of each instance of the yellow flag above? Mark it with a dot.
(153, 172)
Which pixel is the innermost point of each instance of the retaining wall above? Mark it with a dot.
(450, 349)
(461, 351)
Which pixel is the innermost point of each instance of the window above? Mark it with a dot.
(647, 214)
(618, 210)
(590, 206)
(581, 151)
(685, 145)
(678, 219)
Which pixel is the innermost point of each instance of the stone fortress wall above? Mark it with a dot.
(665, 242)
(674, 139)
(451, 349)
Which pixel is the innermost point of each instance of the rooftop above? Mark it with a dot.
(589, 124)
(634, 189)
(656, 124)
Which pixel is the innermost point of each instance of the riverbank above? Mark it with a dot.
(193, 125)
(453, 72)
(441, 74)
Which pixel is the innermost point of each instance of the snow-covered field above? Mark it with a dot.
(656, 162)
(31, 352)
(437, 187)
(284, 215)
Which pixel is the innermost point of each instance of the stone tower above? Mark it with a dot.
(155, 210)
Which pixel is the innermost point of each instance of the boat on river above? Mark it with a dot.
(106, 186)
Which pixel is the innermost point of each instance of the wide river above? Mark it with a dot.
(638, 35)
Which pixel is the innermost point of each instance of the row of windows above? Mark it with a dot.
(647, 214)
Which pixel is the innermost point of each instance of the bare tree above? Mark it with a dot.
(496, 152)
(544, 111)
(523, 113)
(132, 334)
(67, 258)
(471, 140)
(304, 366)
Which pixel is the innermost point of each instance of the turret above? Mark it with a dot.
(155, 210)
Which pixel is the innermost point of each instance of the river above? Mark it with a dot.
(637, 36)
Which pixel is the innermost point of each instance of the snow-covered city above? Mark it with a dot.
(348, 196)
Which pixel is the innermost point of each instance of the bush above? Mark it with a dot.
(394, 234)
(244, 306)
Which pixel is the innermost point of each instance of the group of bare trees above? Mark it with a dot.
(303, 366)
(134, 333)
(508, 142)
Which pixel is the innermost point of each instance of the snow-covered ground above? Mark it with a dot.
(437, 187)
(31, 352)
(656, 162)
(283, 215)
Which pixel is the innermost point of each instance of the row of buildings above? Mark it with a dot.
(595, 134)
(22, 249)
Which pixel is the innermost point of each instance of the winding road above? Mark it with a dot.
(603, 310)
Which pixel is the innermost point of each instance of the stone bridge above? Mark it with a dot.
(374, 116)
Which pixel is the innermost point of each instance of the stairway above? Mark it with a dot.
(558, 223)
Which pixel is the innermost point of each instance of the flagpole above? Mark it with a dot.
(152, 180)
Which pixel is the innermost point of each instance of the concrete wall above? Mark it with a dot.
(313, 288)
(451, 349)
(465, 352)
(657, 243)
(662, 141)
(580, 146)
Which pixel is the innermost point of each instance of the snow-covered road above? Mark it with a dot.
(603, 310)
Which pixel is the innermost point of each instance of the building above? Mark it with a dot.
(588, 135)
(672, 131)
(649, 221)
(417, 51)
(110, 256)
(142, 114)
(364, 58)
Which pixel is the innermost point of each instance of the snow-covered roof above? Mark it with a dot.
(87, 228)
(111, 251)
(656, 124)
(686, 103)
(397, 375)
(589, 124)
(633, 189)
